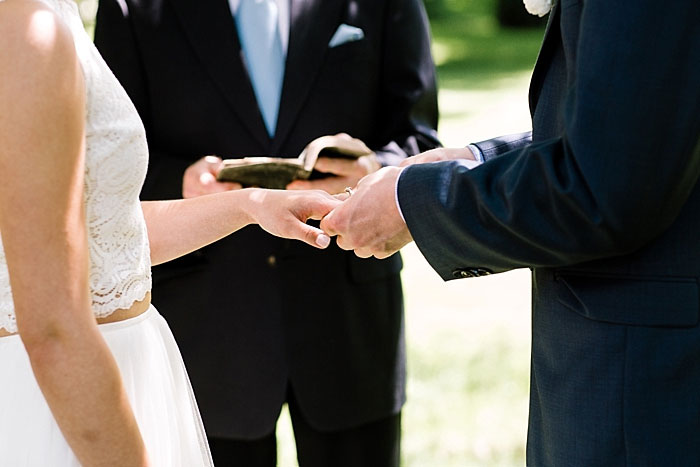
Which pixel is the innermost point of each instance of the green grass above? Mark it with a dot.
(473, 52)
(477, 54)
(468, 344)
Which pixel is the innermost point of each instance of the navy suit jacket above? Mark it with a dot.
(253, 313)
(604, 205)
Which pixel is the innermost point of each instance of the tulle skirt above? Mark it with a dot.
(155, 380)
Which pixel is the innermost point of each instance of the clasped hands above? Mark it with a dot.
(367, 221)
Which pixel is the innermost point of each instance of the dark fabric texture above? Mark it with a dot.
(495, 147)
(226, 452)
(253, 313)
(603, 205)
(375, 444)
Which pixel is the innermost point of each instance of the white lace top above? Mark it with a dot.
(116, 162)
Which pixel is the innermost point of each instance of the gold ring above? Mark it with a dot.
(349, 191)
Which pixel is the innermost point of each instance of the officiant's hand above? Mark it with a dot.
(342, 172)
(442, 154)
(369, 221)
(200, 178)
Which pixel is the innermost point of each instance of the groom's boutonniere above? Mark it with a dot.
(538, 7)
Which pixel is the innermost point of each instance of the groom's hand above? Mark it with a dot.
(369, 221)
(200, 178)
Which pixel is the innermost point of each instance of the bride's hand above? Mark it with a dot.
(284, 213)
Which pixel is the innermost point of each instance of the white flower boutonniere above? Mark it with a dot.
(538, 7)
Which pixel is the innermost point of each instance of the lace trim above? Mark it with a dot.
(7, 309)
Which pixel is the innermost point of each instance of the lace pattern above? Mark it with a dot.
(116, 163)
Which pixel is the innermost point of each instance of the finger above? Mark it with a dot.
(207, 178)
(212, 160)
(383, 254)
(231, 185)
(330, 185)
(408, 161)
(299, 185)
(343, 242)
(313, 236)
(327, 224)
(336, 165)
(189, 193)
(363, 253)
(213, 165)
(217, 187)
(342, 196)
(321, 210)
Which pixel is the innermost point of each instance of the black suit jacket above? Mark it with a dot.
(604, 206)
(253, 313)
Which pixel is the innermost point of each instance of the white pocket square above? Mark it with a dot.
(346, 33)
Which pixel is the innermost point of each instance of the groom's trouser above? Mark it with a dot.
(375, 444)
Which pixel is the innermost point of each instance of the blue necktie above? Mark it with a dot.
(258, 29)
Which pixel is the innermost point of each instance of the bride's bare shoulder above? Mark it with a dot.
(39, 66)
(34, 37)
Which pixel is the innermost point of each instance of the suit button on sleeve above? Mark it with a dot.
(477, 272)
(462, 273)
(272, 261)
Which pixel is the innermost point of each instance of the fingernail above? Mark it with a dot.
(323, 240)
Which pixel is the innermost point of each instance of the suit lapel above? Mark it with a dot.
(312, 24)
(542, 63)
(211, 30)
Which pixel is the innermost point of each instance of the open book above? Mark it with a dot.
(278, 172)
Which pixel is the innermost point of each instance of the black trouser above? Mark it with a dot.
(375, 444)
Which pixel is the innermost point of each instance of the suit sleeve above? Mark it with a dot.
(408, 104)
(615, 177)
(498, 146)
(117, 41)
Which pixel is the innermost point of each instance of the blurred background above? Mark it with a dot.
(468, 340)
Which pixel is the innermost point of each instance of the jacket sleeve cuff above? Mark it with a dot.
(495, 147)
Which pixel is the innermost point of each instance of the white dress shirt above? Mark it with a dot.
(283, 18)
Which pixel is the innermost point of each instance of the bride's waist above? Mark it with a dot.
(121, 314)
(136, 309)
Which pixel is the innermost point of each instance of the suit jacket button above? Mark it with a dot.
(481, 272)
(462, 273)
(271, 261)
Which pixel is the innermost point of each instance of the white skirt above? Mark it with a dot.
(155, 380)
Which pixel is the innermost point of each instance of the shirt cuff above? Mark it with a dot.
(396, 195)
(477, 153)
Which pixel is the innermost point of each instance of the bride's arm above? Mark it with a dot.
(42, 221)
(178, 227)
